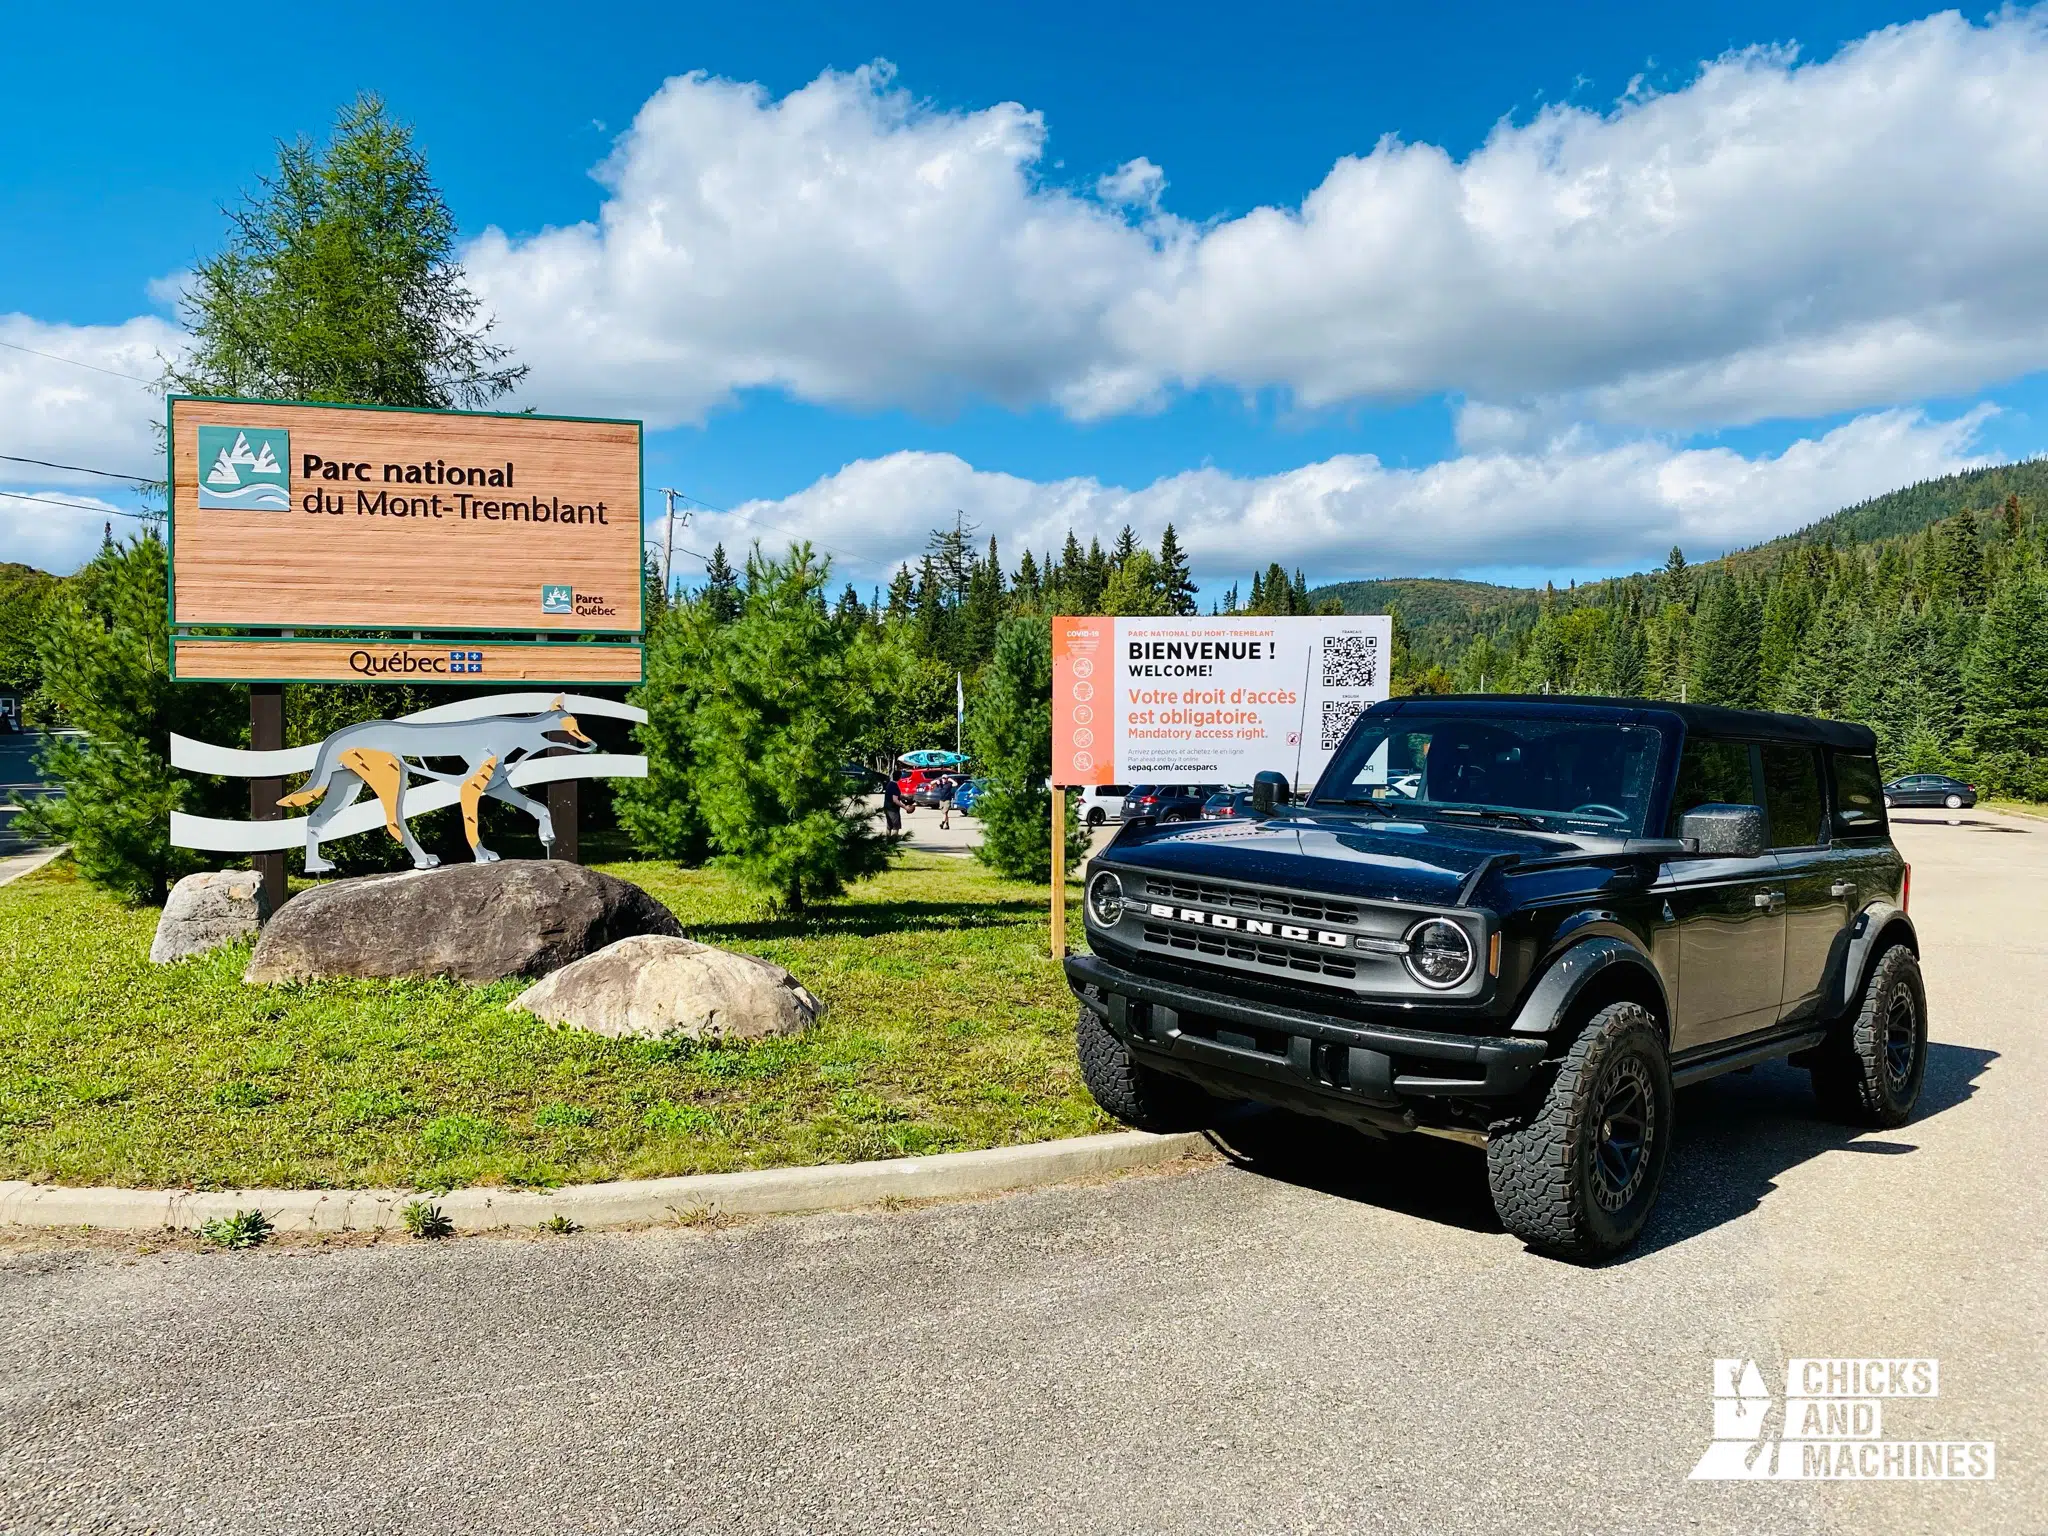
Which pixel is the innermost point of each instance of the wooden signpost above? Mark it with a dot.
(473, 534)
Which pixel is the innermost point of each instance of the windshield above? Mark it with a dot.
(1559, 775)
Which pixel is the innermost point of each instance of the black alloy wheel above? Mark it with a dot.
(1902, 1042)
(1626, 1130)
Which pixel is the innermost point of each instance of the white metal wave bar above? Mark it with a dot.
(530, 704)
(219, 836)
(239, 763)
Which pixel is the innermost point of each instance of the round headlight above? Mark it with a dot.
(1106, 899)
(1440, 953)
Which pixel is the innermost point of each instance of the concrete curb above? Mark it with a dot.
(14, 866)
(630, 1202)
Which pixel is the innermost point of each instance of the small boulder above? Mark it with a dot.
(471, 922)
(654, 988)
(208, 910)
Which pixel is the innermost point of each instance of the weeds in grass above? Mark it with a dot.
(425, 1220)
(564, 1117)
(244, 1229)
(447, 1136)
(672, 1119)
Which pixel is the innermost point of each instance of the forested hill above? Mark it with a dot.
(1916, 506)
(1922, 613)
(1427, 602)
(1441, 616)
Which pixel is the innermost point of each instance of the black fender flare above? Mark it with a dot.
(1571, 972)
(1877, 927)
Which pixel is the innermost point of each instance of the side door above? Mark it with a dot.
(1817, 878)
(1729, 924)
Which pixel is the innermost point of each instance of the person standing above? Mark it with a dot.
(946, 788)
(892, 805)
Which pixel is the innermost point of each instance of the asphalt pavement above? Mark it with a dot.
(1336, 1337)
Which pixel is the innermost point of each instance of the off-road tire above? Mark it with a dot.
(1856, 1073)
(1547, 1184)
(1142, 1098)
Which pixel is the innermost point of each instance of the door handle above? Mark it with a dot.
(1770, 901)
(1842, 888)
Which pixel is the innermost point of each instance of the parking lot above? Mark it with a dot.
(1329, 1336)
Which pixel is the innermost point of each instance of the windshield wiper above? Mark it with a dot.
(1487, 813)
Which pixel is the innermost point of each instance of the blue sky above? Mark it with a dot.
(1096, 264)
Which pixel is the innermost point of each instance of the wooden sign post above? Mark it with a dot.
(1059, 873)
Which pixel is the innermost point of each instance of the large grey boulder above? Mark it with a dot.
(653, 988)
(205, 911)
(472, 922)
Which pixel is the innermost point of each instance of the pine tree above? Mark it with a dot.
(1126, 546)
(1177, 578)
(341, 282)
(1026, 585)
(902, 600)
(790, 699)
(1673, 584)
(102, 653)
(721, 587)
(2006, 687)
(1725, 662)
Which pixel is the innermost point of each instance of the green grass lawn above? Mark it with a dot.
(946, 1027)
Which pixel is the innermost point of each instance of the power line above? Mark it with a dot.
(775, 527)
(57, 357)
(111, 474)
(83, 506)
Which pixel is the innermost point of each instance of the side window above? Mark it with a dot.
(1792, 798)
(1710, 773)
(1859, 796)
(1114, 791)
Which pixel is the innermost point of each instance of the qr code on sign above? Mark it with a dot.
(1338, 714)
(1351, 661)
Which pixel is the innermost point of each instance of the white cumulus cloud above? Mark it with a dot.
(73, 394)
(1595, 507)
(1780, 237)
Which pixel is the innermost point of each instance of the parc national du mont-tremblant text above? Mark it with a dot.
(464, 504)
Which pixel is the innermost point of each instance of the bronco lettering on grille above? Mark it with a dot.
(1196, 917)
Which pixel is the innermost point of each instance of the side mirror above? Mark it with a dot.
(1268, 790)
(1726, 831)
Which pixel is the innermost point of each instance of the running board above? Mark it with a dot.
(1684, 1075)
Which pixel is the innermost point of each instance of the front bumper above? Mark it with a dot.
(1382, 1076)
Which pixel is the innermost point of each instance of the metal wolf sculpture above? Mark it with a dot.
(382, 754)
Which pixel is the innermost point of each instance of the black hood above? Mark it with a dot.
(1367, 859)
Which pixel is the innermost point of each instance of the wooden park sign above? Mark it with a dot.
(468, 663)
(291, 516)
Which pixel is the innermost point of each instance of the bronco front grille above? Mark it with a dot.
(1237, 898)
(1232, 947)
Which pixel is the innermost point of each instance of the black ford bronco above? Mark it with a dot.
(1519, 923)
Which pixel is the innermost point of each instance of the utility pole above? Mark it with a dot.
(668, 542)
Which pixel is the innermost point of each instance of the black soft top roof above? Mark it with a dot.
(1700, 719)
